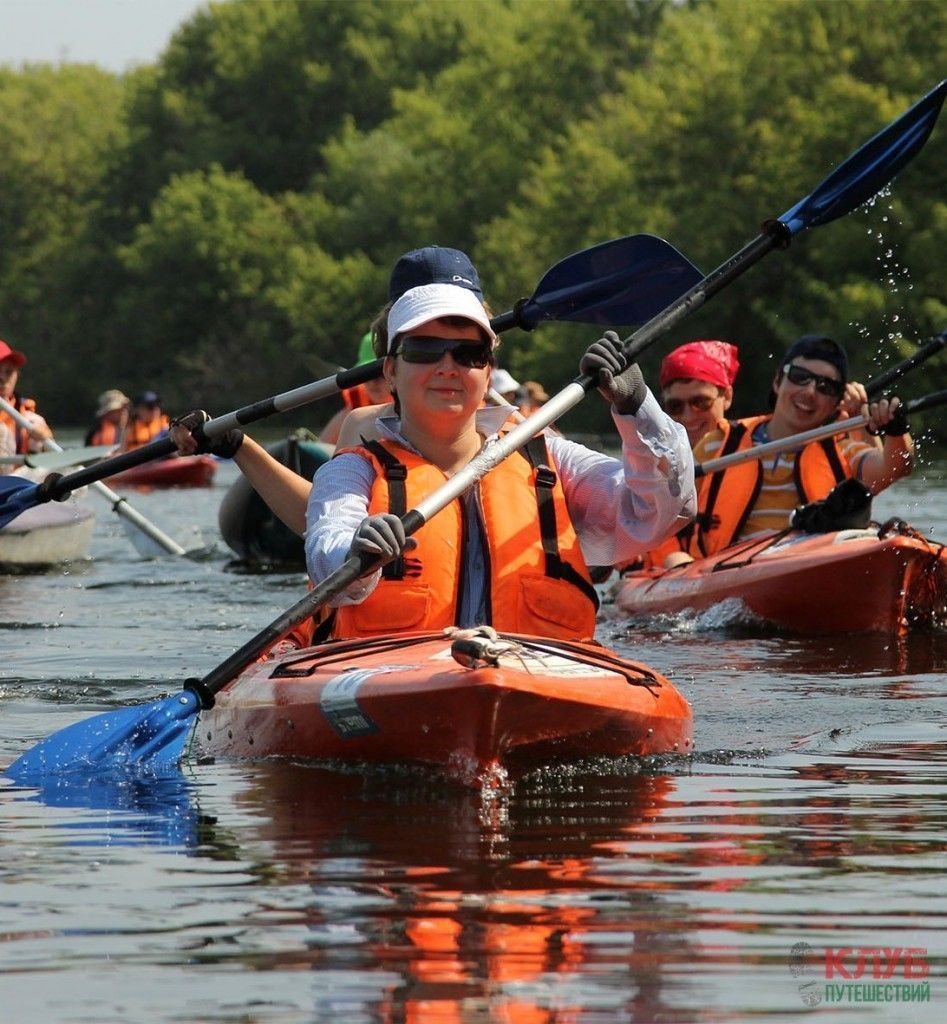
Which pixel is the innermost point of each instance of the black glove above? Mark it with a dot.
(846, 507)
(383, 536)
(898, 425)
(618, 382)
(225, 447)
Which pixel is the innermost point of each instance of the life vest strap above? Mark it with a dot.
(396, 473)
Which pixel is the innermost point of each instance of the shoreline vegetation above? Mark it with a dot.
(218, 223)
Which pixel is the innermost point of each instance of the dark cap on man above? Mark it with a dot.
(148, 398)
(817, 346)
(434, 264)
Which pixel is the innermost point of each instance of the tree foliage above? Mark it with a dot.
(220, 225)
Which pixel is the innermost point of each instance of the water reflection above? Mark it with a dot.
(138, 811)
(462, 898)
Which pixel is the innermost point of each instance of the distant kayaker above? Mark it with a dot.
(111, 418)
(513, 551)
(24, 441)
(810, 388)
(505, 384)
(146, 422)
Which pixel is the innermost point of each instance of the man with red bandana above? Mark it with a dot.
(696, 382)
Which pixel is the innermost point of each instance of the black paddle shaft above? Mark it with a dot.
(877, 384)
(774, 235)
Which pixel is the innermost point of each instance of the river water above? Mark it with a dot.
(741, 883)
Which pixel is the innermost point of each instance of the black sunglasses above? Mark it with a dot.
(699, 403)
(416, 348)
(800, 376)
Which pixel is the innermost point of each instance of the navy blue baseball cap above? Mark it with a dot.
(434, 264)
(817, 346)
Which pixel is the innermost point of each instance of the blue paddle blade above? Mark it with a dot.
(619, 283)
(147, 738)
(869, 168)
(16, 496)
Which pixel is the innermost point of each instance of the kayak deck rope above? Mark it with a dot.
(481, 646)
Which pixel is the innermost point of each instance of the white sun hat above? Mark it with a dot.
(503, 382)
(430, 302)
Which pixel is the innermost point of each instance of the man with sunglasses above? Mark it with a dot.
(513, 551)
(810, 388)
(696, 381)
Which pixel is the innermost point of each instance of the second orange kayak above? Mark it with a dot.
(889, 579)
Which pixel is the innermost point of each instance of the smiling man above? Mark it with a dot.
(696, 382)
(810, 388)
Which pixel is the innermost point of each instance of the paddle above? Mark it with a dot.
(785, 444)
(60, 460)
(621, 281)
(155, 735)
(14, 489)
(930, 348)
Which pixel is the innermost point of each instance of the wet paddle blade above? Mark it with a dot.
(68, 457)
(16, 496)
(621, 282)
(870, 167)
(148, 737)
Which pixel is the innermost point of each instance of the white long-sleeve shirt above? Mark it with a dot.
(620, 508)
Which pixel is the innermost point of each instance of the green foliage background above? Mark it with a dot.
(220, 225)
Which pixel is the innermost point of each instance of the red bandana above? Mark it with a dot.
(713, 361)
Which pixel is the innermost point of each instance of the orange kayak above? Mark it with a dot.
(425, 699)
(890, 579)
(178, 471)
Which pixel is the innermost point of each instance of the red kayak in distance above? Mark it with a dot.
(470, 712)
(888, 579)
(177, 471)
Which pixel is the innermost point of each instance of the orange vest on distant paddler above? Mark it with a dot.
(138, 433)
(725, 499)
(538, 580)
(104, 432)
(20, 435)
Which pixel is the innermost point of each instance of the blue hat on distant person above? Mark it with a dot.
(817, 346)
(434, 264)
(148, 398)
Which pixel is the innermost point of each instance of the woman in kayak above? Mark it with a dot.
(512, 551)
(810, 388)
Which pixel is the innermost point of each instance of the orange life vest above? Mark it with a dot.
(725, 499)
(356, 397)
(20, 435)
(138, 433)
(538, 580)
(104, 432)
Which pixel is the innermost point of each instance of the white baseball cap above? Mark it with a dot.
(430, 302)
